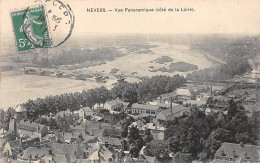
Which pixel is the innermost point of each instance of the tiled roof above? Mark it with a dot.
(60, 158)
(152, 126)
(116, 102)
(16, 143)
(97, 132)
(88, 111)
(239, 151)
(175, 110)
(34, 152)
(168, 95)
(102, 154)
(183, 92)
(63, 149)
(145, 106)
(30, 126)
(20, 108)
(138, 124)
(110, 140)
(197, 102)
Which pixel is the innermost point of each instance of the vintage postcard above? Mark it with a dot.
(129, 81)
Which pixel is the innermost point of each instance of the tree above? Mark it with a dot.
(174, 144)
(232, 108)
(103, 95)
(215, 139)
(129, 94)
(2, 113)
(159, 149)
(135, 141)
(7, 116)
(182, 158)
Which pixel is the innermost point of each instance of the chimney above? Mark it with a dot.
(160, 99)
(171, 104)
(38, 128)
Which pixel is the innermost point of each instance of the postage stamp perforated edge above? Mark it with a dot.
(47, 22)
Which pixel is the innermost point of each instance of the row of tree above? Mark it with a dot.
(143, 91)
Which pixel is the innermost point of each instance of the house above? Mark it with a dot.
(70, 151)
(185, 94)
(110, 141)
(34, 154)
(137, 124)
(177, 111)
(77, 129)
(145, 109)
(26, 128)
(20, 112)
(237, 153)
(167, 97)
(156, 131)
(116, 105)
(101, 155)
(63, 114)
(12, 148)
(87, 113)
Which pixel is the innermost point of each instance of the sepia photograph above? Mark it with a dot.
(120, 81)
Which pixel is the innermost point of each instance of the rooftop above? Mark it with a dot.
(117, 101)
(239, 151)
(20, 108)
(145, 106)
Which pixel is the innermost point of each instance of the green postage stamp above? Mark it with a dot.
(30, 28)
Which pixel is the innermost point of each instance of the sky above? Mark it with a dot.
(221, 16)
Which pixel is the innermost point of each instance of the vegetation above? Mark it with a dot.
(163, 59)
(159, 149)
(235, 52)
(148, 89)
(135, 142)
(77, 56)
(182, 67)
(198, 136)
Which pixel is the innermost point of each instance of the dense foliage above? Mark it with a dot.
(135, 141)
(143, 91)
(148, 89)
(199, 135)
(237, 53)
(77, 56)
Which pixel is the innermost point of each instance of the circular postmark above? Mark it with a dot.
(60, 23)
